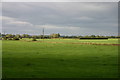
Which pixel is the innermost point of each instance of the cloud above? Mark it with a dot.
(79, 17)
(85, 18)
(20, 23)
(12, 21)
(54, 27)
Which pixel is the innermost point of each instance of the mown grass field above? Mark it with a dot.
(40, 59)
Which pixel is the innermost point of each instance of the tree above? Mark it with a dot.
(18, 36)
(58, 35)
(34, 36)
(92, 36)
(97, 36)
(0, 35)
(86, 36)
(25, 36)
(9, 36)
(15, 38)
(34, 39)
(55, 35)
(5, 38)
(80, 36)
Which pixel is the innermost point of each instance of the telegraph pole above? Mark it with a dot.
(43, 33)
(4, 32)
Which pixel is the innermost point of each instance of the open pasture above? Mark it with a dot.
(40, 59)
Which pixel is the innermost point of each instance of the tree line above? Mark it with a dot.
(18, 36)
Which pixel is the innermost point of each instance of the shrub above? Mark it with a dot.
(4, 38)
(9, 38)
(34, 39)
(15, 38)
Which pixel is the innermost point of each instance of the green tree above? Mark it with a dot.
(9, 36)
(5, 38)
(34, 39)
(34, 36)
(25, 36)
(0, 35)
(92, 36)
(55, 35)
(18, 35)
(15, 38)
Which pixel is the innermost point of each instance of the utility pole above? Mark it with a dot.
(43, 33)
(4, 32)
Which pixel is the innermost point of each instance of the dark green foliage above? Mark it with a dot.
(9, 35)
(34, 36)
(4, 38)
(55, 35)
(15, 38)
(25, 36)
(34, 39)
(18, 36)
(92, 36)
(10, 39)
(0, 35)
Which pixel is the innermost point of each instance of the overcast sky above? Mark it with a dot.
(66, 18)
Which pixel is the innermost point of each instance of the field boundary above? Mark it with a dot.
(88, 43)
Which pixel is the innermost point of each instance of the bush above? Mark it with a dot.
(4, 38)
(34, 39)
(15, 38)
(9, 38)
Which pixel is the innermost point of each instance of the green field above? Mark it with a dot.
(45, 59)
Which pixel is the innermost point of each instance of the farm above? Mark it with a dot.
(60, 58)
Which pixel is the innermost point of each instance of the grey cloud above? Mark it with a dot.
(88, 16)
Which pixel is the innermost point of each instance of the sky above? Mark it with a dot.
(66, 18)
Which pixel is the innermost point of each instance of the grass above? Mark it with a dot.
(109, 41)
(22, 59)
